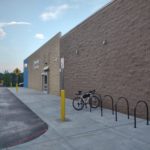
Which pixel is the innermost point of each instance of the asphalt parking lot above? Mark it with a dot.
(18, 124)
(82, 130)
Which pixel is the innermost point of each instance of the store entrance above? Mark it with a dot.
(45, 82)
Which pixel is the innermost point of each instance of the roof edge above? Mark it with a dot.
(58, 34)
(88, 18)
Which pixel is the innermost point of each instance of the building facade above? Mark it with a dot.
(109, 52)
(42, 67)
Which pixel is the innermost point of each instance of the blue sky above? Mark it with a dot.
(27, 25)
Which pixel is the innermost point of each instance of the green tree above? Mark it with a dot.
(10, 78)
(6, 79)
(1, 76)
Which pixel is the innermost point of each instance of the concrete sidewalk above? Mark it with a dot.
(82, 130)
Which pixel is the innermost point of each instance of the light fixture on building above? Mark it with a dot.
(77, 52)
(104, 42)
(25, 65)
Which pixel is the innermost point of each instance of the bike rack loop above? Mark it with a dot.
(112, 102)
(101, 103)
(147, 112)
(116, 106)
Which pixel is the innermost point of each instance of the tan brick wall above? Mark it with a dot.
(50, 53)
(121, 67)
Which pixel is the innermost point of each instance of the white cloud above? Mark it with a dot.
(54, 12)
(6, 24)
(12, 23)
(39, 36)
(18, 23)
(2, 33)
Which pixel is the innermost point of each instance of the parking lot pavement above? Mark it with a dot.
(82, 130)
(18, 124)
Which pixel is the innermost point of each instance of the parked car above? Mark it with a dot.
(21, 84)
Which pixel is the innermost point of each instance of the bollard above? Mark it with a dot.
(17, 87)
(63, 103)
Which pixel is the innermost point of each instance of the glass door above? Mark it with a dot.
(45, 83)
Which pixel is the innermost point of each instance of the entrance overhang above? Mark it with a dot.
(46, 68)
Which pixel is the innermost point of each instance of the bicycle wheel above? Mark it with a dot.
(94, 101)
(78, 103)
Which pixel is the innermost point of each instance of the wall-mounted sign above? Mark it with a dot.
(62, 63)
(36, 64)
(17, 71)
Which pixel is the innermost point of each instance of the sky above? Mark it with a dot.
(25, 25)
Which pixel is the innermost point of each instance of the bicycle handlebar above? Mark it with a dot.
(92, 91)
(89, 92)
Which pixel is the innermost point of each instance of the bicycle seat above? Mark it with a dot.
(86, 95)
(79, 93)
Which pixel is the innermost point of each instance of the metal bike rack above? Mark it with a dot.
(116, 106)
(90, 106)
(147, 112)
(112, 104)
(101, 104)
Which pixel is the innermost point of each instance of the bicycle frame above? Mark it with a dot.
(87, 99)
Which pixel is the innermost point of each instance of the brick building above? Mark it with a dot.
(41, 69)
(109, 52)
